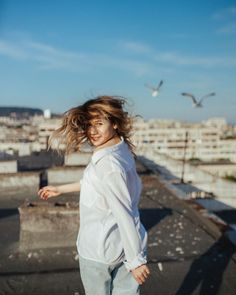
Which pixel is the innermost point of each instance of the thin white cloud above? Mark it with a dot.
(12, 51)
(50, 57)
(227, 19)
(228, 29)
(177, 59)
(205, 61)
(136, 47)
(225, 13)
(46, 55)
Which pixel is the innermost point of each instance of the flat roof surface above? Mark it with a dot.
(186, 252)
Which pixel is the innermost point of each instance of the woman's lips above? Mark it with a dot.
(94, 138)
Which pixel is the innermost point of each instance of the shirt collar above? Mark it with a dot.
(97, 155)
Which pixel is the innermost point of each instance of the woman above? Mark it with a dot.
(112, 241)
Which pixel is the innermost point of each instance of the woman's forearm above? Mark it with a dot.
(69, 188)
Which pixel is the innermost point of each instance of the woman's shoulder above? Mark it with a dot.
(110, 163)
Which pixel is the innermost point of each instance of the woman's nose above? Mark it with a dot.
(92, 130)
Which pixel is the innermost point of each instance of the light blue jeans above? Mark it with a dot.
(104, 279)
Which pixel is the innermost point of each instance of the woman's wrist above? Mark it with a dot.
(69, 188)
(60, 189)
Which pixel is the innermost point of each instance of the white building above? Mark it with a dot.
(45, 129)
(205, 141)
(47, 114)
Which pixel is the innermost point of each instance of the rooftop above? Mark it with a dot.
(187, 252)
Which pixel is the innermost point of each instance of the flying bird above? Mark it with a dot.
(155, 90)
(198, 104)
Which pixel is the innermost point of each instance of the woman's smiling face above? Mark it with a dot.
(100, 131)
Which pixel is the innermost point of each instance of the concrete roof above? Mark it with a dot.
(187, 253)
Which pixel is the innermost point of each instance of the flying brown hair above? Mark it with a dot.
(74, 129)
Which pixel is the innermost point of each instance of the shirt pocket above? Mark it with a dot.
(88, 194)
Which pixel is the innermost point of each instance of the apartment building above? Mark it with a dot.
(211, 140)
(207, 141)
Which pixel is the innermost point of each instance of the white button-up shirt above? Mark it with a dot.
(110, 228)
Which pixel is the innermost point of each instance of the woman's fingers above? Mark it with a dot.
(145, 275)
(146, 271)
(141, 274)
(44, 193)
(48, 192)
(142, 277)
(140, 280)
(39, 192)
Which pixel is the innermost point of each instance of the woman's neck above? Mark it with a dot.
(110, 142)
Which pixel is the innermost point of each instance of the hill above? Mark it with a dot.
(19, 112)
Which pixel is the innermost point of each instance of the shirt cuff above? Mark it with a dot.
(136, 262)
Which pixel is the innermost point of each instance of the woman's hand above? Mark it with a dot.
(141, 273)
(48, 192)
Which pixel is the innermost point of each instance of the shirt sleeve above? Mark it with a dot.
(119, 201)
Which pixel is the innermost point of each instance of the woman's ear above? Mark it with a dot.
(115, 126)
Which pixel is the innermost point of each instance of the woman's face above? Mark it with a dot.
(100, 131)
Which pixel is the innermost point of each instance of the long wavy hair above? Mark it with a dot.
(73, 132)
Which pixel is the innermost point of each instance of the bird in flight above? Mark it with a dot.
(155, 90)
(197, 104)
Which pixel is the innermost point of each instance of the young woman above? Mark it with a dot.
(112, 241)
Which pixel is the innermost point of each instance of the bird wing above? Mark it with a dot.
(190, 95)
(150, 87)
(161, 82)
(207, 95)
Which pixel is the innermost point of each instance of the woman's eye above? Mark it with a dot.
(94, 124)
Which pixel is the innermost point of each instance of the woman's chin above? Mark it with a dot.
(96, 142)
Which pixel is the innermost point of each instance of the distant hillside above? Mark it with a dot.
(19, 112)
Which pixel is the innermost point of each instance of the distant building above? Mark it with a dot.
(45, 129)
(47, 114)
(210, 140)
(207, 141)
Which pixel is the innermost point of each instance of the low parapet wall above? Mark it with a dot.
(220, 170)
(19, 180)
(224, 190)
(60, 175)
(77, 159)
(57, 175)
(9, 166)
(48, 225)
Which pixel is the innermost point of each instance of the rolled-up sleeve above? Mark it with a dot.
(118, 198)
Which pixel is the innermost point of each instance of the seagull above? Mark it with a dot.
(155, 90)
(197, 104)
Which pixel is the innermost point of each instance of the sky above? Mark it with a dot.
(57, 54)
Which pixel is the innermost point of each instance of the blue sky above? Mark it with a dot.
(56, 54)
